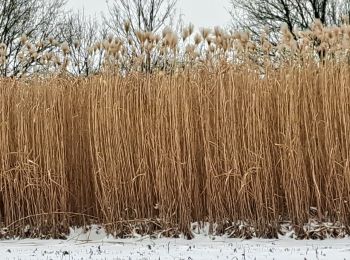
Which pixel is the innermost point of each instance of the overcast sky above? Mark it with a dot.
(202, 13)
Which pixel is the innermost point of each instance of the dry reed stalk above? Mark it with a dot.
(224, 146)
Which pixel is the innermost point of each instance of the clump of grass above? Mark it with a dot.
(234, 131)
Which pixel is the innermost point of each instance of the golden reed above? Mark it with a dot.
(224, 145)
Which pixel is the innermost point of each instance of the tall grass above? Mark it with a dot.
(155, 152)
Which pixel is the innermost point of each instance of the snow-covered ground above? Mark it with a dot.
(96, 245)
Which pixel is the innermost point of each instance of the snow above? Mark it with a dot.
(95, 244)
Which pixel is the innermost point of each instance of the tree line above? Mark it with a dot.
(35, 27)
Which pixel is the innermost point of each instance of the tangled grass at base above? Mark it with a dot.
(235, 142)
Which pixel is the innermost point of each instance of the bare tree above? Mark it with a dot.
(254, 15)
(142, 15)
(128, 18)
(84, 36)
(37, 20)
(337, 10)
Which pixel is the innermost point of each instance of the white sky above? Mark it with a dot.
(202, 13)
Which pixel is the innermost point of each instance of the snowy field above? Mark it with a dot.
(96, 245)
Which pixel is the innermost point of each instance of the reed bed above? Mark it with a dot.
(152, 153)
